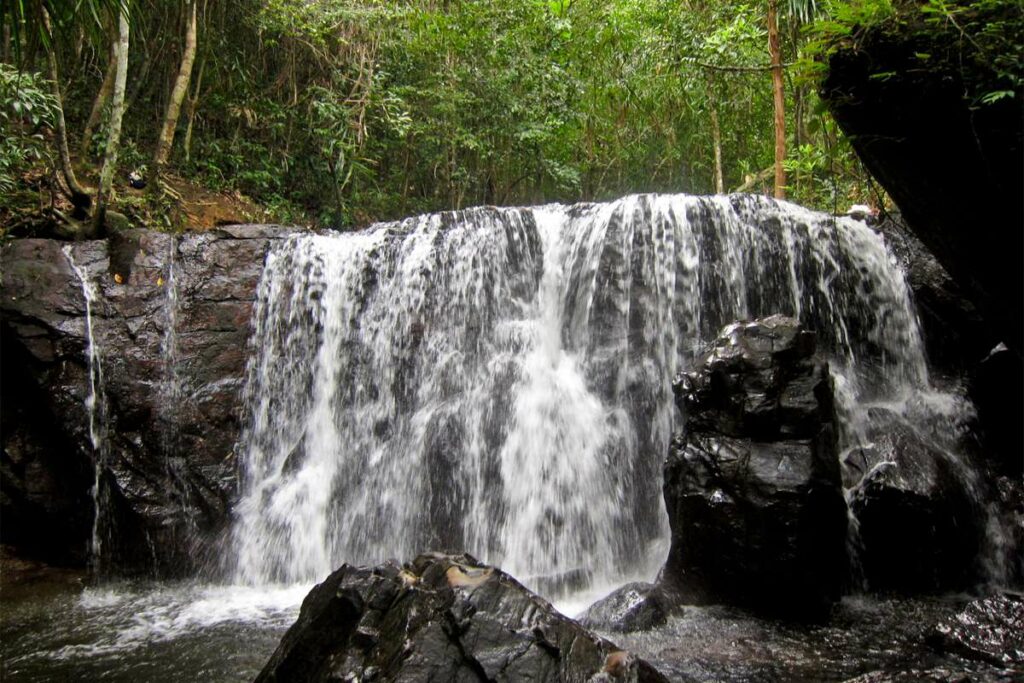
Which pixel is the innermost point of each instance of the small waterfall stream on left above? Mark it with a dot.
(95, 407)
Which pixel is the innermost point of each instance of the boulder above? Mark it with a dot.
(752, 485)
(440, 618)
(171, 405)
(918, 522)
(990, 630)
(633, 607)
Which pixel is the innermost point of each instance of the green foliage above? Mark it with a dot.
(348, 111)
(26, 110)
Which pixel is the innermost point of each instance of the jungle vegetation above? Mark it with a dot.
(341, 112)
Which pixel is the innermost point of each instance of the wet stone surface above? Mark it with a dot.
(865, 639)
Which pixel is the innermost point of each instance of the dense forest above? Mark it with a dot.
(339, 113)
(342, 112)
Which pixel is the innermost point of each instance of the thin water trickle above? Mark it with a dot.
(172, 387)
(499, 380)
(95, 407)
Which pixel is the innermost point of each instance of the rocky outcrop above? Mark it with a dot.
(440, 618)
(752, 487)
(989, 630)
(915, 102)
(170, 408)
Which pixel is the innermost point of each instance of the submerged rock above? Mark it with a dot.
(752, 487)
(990, 630)
(633, 607)
(170, 427)
(440, 618)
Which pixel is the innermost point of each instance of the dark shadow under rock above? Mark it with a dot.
(440, 618)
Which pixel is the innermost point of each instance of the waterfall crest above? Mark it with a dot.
(499, 380)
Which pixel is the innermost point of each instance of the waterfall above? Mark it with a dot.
(172, 387)
(95, 407)
(499, 380)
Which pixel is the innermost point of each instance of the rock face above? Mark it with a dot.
(956, 335)
(440, 618)
(752, 487)
(989, 630)
(912, 103)
(171, 404)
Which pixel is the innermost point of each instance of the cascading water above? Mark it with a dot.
(95, 407)
(499, 380)
(172, 388)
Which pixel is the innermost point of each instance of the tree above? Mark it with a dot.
(170, 124)
(778, 97)
(79, 196)
(116, 116)
(100, 103)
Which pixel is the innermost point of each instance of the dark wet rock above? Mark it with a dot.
(440, 618)
(917, 512)
(170, 468)
(752, 487)
(633, 607)
(997, 389)
(909, 97)
(936, 675)
(990, 630)
(956, 336)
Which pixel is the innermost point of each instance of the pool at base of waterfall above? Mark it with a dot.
(56, 629)
(141, 631)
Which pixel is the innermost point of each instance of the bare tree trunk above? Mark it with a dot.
(716, 138)
(79, 197)
(100, 102)
(116, 114)
(190, 113)
(775, 52)
(7, 43)
(166, 139)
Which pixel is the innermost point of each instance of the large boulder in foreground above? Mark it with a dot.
(440, 618)
(752, 487)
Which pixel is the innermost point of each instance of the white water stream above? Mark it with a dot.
(95, 407)
(499, 380)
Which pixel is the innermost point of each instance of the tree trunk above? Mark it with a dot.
(79, 196)
(190, 114)
(166, 139)
(100, 102)
(716, 138)
(775, 52)
(116, 114)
